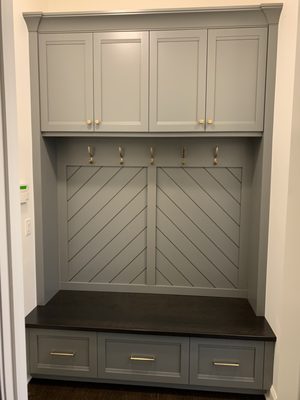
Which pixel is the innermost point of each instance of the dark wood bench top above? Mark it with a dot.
(214, 317)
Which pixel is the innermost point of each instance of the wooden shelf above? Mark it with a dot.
(213, 317)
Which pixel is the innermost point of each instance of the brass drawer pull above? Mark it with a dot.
(60, 354)
(224, 364)
(142, 358)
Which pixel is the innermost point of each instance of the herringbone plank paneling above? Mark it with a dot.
(198, 227)
(107, 213)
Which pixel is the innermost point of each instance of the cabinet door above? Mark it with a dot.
(143, 358)
(236, 67)
(227, 363)
(177, 80)
(66, 72)
(121, 81)
(63, 353)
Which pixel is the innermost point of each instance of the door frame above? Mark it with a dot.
(13, 371)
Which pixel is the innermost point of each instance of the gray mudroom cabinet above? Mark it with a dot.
(208, 80)
(94, 81)
(195, 80)
(152, 146)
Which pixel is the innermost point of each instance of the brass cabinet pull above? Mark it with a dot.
(201, 121)
(210, 121)
(97, 121)
(62, 354)
(89, 122)
(142, 358)
(225, 364)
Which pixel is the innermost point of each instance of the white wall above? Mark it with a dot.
(92, 5)
(287, 383)
(281, 258)
(279, 276)
(11, 266)
(25, 156)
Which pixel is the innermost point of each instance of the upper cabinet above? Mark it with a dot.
(94, 82)
(121, 81)
(66, 82)
(236, 65)
(177, 80)
(206, 80)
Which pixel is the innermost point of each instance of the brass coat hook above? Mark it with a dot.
(216, 154)
(183, 155)
(91, 151)
(121, 152)
(151, 156)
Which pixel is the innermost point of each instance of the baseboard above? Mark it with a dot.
(271, 395)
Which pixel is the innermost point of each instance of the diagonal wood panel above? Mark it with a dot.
(201, 198)
(198, 217)
(230, 183)
(111, 181)
(107, 212)
(236, 172)
(71, 171)
(122, 260)
(171, 273)
(181, 260)
(79, 178)
(132, 270)
(191, 209)
(219, 194)
(187, 228)
(111, 218)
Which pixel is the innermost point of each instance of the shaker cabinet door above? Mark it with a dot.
(121, 81)
(236, 67)
(177, 80)
(66, 82)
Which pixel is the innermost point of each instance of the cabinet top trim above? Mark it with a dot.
(252, 15)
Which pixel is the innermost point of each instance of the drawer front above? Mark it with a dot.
(63, 353)
(226, 363)
(143, 358)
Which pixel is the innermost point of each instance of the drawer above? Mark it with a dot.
(144, 358)
(227, 363)
(63, 353)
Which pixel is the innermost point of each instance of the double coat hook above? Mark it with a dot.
(216, 154)
(183, 155)
(91, 152)
(121, 153)
(151, 156)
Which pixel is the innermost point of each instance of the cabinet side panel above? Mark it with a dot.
(50, 215)
(45, 187)
(261, 188)
(36, 161)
